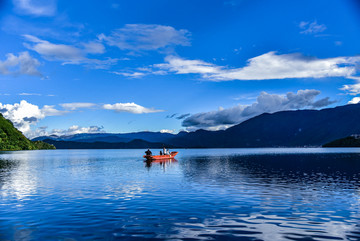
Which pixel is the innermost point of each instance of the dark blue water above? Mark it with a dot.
(229, 194)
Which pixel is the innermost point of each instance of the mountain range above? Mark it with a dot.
(299, 128)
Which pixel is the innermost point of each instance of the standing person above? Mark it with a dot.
(164, 150)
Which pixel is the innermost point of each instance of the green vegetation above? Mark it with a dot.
(40, 145)
(350, 141)
(12, 139)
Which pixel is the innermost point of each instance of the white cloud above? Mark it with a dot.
(94, 47)
(72, 130)
(77, 105)
(35, 7)
(52, 51)
(23, 64)
(267, 66)
(167, 131)
(22, 114)
(311, 27)
(353, 89)
(140, 72)
(130, 107)
(266, 103)
(30, 94)
(182, 66)
(138, 37)
(49, 110)
(69, 54)
(130, 74)
(354, 100)
(25, 114)
(40, 131)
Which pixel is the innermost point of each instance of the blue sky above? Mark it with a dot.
(124, 66)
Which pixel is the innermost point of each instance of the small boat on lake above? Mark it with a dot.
(159, 157)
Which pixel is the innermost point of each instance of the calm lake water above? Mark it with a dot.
(207, 194)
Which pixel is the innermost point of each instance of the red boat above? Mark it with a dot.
(159, 157)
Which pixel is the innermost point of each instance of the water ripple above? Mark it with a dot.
(205, 195)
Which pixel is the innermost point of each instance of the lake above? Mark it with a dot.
(205, 194)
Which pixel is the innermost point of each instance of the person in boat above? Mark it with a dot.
(161, 153)
(166, 151)
(148, 152)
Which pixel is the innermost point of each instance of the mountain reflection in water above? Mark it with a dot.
(230, 194)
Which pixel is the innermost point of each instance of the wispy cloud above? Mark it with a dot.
(77, 105)
(94, 47)
(171, 116)
(130, 74)
(30, 94)
(52, 51)
(311, 27)
(35, 94)
(178, 116)
(69, 54)
(50, 110)
(183, 116)
(352, 89)
(145, 37)
(35, 8)
(130, 107)
(72, 130)
(266, 103)
(267, 66)
(23, 64)
(140, 72)
(59, 28)
(184, 66)
(246, 97)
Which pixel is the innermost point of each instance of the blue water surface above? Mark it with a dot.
(205, 194)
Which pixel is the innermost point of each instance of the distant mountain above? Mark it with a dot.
(300, 128)
(111, 137)
(12, 139)
(281, 129)
(134, 144)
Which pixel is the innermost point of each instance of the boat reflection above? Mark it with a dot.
(164, 163)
